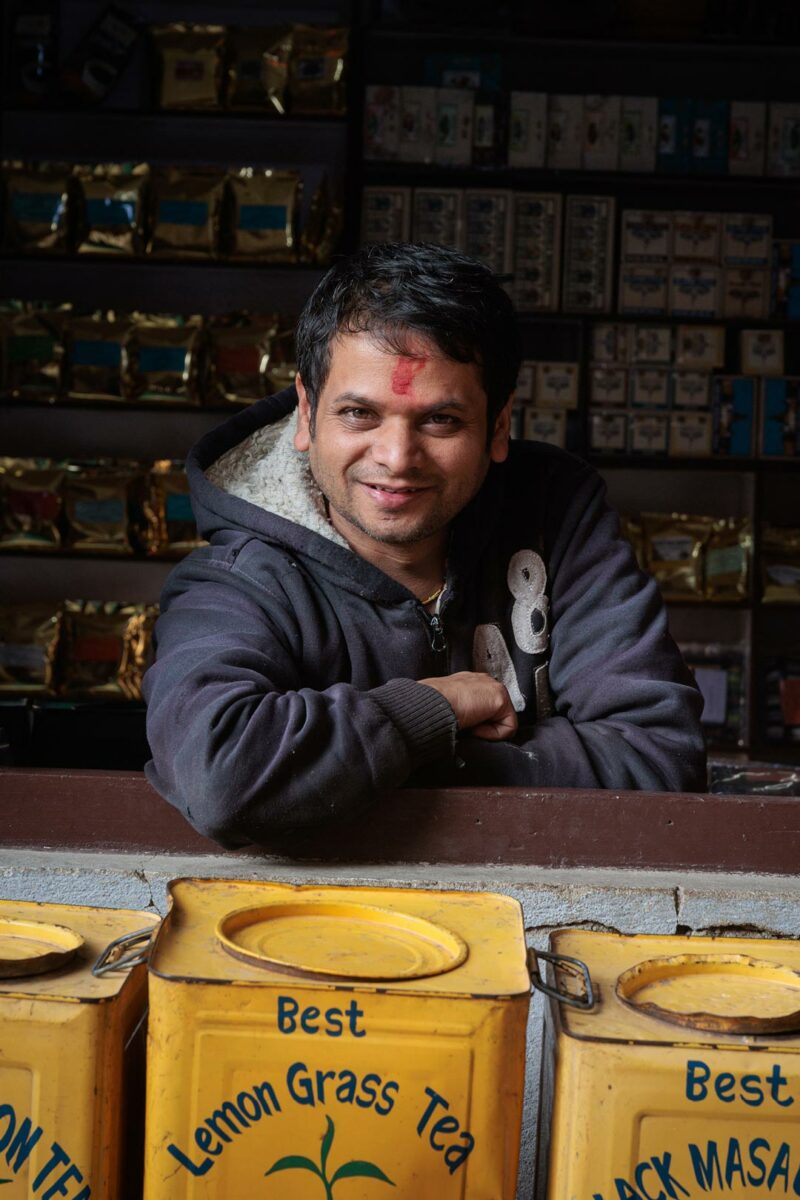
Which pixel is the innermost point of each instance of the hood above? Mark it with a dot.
(246, 475)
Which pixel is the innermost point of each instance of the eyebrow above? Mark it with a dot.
(370, 402)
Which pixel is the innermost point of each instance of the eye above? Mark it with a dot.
(356, 414)
(443, 420)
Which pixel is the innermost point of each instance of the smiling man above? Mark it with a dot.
(395, 592)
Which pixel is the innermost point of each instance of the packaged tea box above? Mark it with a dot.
(190, 64)
(675, 545)
(238, 358)
(728, 556)
(258, 67)
(110, 208)
(264, 214)
(171, 530)
(28, 646)
(30, 503)
(37, 208)
(161, 360)
(101, 507)
(780, 565)
(32, 354)
(96, 63)
(104, 649)
(93, 359)
(317, 71)
(185, 212)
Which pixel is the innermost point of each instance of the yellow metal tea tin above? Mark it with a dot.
(683, 1078)
(335, 1043)
(68, 1048)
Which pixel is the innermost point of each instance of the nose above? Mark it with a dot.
(397, 447)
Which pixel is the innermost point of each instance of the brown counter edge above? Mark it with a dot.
(560, 827)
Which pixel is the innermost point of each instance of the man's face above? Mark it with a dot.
(399, 443)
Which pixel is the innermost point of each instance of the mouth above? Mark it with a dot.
(393, 497)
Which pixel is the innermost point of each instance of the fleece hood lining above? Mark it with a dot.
(266, 470)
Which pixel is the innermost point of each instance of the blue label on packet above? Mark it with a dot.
(100, 512)
(110, 212)
(262, 216)
(162, 358)
(183, 212)
(42, 207)
(96, 354)
(179, 508)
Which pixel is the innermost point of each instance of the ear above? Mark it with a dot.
(498, 447)
(302, 436)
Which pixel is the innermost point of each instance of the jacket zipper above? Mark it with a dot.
(438, 639)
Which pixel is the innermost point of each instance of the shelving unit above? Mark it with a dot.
(128, 128)
(558, 65)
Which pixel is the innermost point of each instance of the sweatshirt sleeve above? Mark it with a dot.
(242, 748)
(626, 708)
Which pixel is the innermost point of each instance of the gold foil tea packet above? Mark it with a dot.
(185, 209)
(323, 227)
(190, 64)
(238, 358)
(111, 209)
(100, 507)
(105, 648)
(282, 365)
(38, 204)
(28, 648)
(780, 565)
(264, 214)
(675, 552)
(728, 556)
(171, 527)
(93, 366)
(258, 68)
(30, 503)
(317, 71)
(161, 360)
(32, 355)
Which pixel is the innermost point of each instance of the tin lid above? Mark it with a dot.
(415, 940)
(33, 947)
(721, 993)
(684, 990)
(341, 939)
(47, 950)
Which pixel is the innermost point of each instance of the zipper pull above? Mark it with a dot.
(438, 640)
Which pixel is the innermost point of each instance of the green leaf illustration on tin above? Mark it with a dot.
(357, 1169)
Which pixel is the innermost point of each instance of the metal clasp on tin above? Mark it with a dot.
(122, 954)
(571, 966)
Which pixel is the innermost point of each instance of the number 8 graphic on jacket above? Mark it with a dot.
(526, 579)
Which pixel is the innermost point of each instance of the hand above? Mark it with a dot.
(481, 704)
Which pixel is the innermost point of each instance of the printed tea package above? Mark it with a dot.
(30, 503)
(37, 208)
(727, 559)
(264, 214)
(93, 362)
(780, 564)
(237, 359)
(675, 553)
(32, 354)
(258, 67)
(111, 209)
(104, 649)
(190, 64)
(171, 529)
(101, 505)
(317, 80)
(29, 636)
(161, 360)
(185, 213)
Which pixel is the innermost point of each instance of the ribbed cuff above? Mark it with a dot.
(423, 716)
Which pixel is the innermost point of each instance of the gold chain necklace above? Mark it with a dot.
(434, 595)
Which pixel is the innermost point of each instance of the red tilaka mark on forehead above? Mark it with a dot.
(403, 375)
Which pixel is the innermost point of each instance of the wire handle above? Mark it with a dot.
(122, 955)
(573, 967)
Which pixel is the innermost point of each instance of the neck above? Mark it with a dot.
(418, 566)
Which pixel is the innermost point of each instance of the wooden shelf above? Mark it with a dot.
(394, 174)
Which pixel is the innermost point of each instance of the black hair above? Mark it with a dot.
(395, 289)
